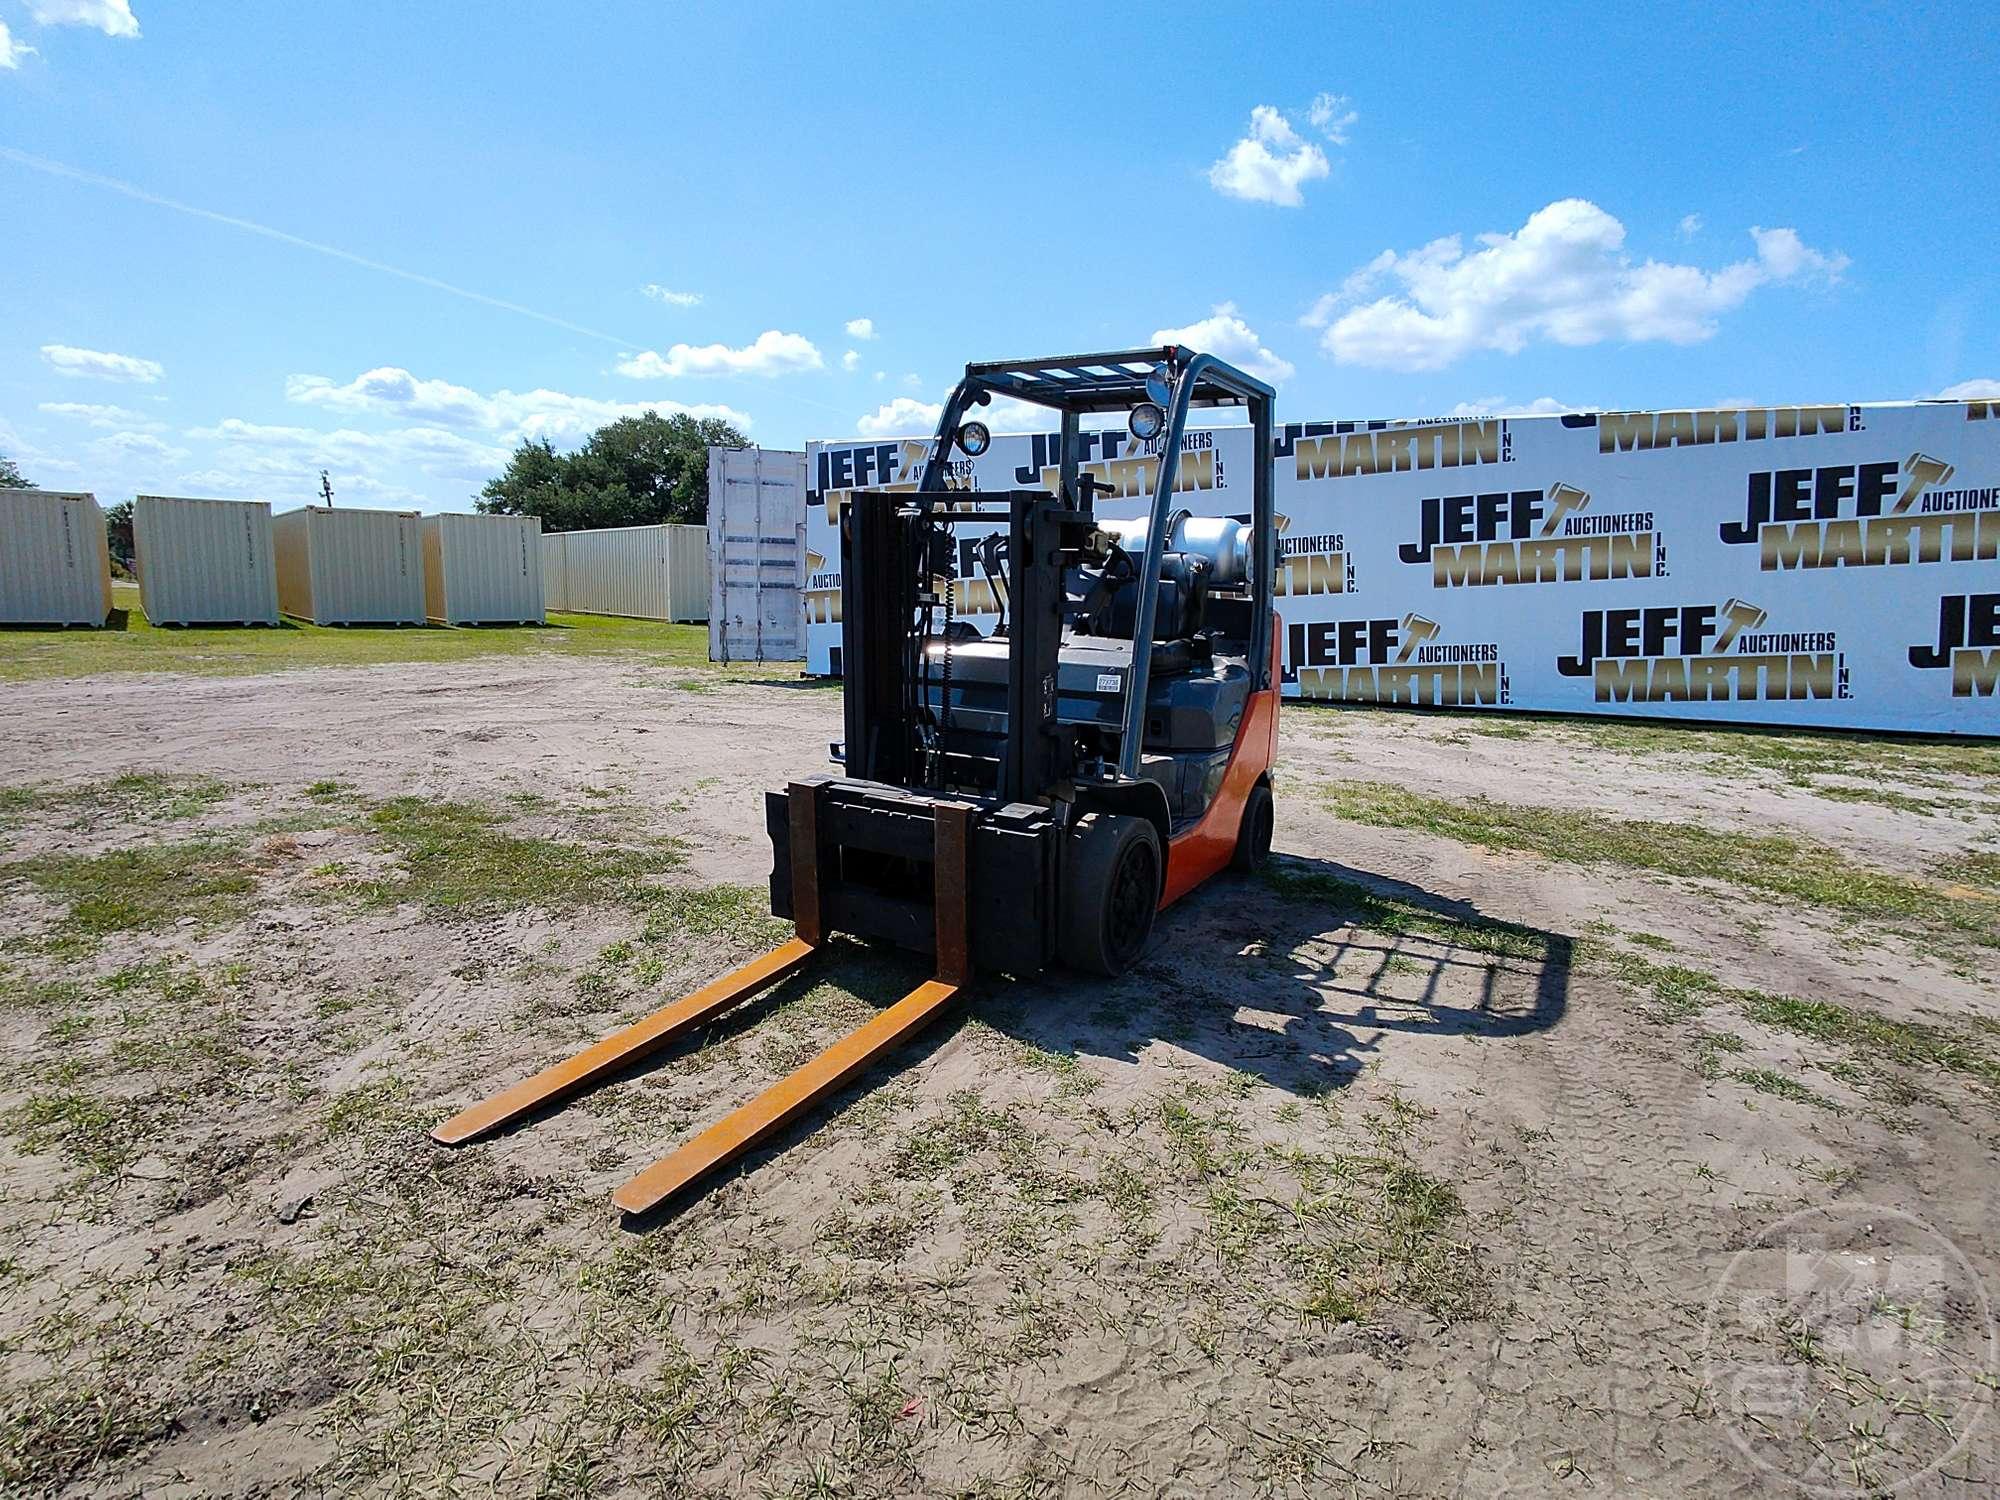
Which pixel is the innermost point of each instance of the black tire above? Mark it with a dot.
(1111, 885)
(1253, 833)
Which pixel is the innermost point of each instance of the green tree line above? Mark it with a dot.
(637, 471)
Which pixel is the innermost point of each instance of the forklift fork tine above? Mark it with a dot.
(771, 1110)
(624, 1047)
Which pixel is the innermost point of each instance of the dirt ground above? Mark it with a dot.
(1564, 1154)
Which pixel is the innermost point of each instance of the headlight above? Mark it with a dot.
(1147, 421)
(974, 439)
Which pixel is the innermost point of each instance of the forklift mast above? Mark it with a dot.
(897, 547)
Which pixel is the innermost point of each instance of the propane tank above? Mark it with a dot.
(1222, 542)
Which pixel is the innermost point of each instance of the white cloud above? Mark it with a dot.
(112, 17)
(1690, 226)
(773, 353)
(1332, 116)
(257, 450)
(672, 298)
(1563, 277)
(1971, 390)
(100, 416)
(139, 445)
(101, 366)
(1786, 256)
(510, 415)
(11, 51)
(1227, 336)
(1500, 406)
(861, 328)
(851, 360)
(903, 417)
(1270, 163)
(1006, 414)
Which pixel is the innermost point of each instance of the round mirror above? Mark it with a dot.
(1147, 421)
(974, 439)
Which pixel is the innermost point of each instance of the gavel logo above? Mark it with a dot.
(1416, 631)
(1564, 500)
(1923, 471)
(1738, 616)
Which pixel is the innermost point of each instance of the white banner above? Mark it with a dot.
(1824, 566)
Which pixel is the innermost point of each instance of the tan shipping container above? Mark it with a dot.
(55, 561)
(483, 570)
(555, 570)
(350, 567)
(647, 572)
(205, 562)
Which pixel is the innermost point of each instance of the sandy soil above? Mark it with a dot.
(1413, 1170)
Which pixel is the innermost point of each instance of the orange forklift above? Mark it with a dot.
(1027, 795)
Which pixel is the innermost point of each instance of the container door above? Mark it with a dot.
(756, 545)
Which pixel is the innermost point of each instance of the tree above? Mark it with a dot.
(637, 471)
(10, 475)
(118, 533)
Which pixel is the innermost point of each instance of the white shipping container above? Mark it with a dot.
(55, 563)
(205, 561)
(483, 570)
(756, 555)
(648, 572)
(350, 567)
(555, 570)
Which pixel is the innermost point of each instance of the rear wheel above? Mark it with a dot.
(1111, 889)
(1253, 832)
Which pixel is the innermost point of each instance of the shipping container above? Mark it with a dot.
(350, 567)
(756, 553)
(555, 571)
(55, 562)
(648, 572)
(206, 562)
(483, 570)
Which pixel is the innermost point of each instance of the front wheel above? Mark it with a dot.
(1253, 831)
(1111, 888)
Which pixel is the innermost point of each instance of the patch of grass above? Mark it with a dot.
(98, 1135)
(1780, 1086)
(134, 796)
(145, 888)
(457, 858)
(131, 644)
(1796, 869)
(1680, 992)
(1794, 756)
(1976, 868)
(739, 913)
(378, 1107)
(60, 1430)
(937, 1145)
(1909, 1043)
(1875, 796)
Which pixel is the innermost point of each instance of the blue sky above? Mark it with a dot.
(1305, 193)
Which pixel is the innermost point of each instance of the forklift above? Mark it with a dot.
(1025, 796)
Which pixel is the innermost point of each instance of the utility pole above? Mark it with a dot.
(326, 489)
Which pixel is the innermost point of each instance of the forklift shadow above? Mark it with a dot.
(1296, 977)
(1293, 978)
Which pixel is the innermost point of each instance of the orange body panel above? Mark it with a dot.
(1207, 848)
